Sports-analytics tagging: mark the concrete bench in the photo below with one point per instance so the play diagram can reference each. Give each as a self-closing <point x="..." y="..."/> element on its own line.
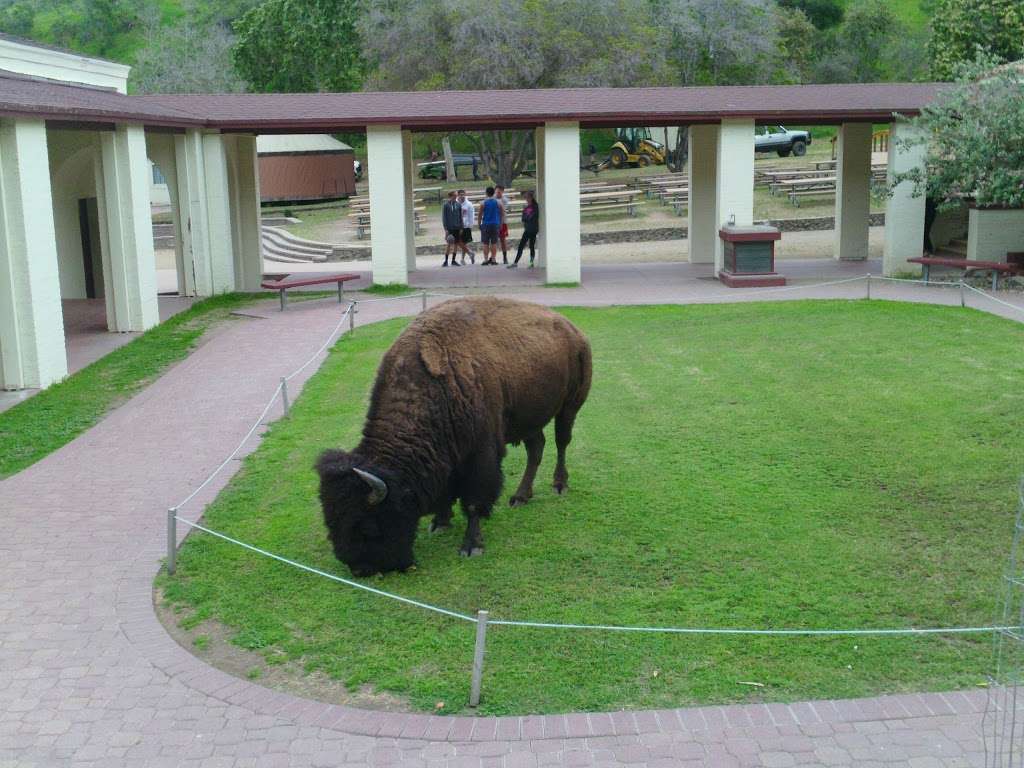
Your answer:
<point x="282" y="285"/>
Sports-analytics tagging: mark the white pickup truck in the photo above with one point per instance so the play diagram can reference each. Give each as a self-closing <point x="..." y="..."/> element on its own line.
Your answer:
<point x="775" y="138"/>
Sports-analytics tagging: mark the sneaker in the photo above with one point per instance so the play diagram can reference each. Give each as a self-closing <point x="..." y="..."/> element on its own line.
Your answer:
<point x="456" y="264"/>
<point x="445" y="264"/>
<point x="511" y="266"/>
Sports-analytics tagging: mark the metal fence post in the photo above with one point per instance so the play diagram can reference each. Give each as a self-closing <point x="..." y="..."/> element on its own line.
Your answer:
<point x="284" y="395"/>
<point x="424" y="296"/>
<point x="963" y="299"/>
<point x="478" y="658"/>
<point x="172" y="538"/>
<point x="869" y="285"/>
<point x="352" y="317"/>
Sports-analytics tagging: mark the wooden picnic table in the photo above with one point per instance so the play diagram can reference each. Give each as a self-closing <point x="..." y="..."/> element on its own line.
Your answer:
<point x="434" y="191"/>
<point x="601" y="187"/>
<point x="628" y="194"/>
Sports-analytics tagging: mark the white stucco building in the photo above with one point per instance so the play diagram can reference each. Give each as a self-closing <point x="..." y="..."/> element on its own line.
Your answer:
<point x="77" y="156"/>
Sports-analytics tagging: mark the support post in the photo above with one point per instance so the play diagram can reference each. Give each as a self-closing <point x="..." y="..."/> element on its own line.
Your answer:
<point x="284" y="395"/>
<point x="352" y="318"/>
<point x="963" y="299"/>
<point x="701" y="222"/>
<point x="735" y="180"/>
<point x="244" y="200"/>
<point x="561" y="201"/>
<point x="341" y="291"/>
<point x="904" y="213"/>
<point x="424" y="297"/>
<point x="122" y="186"/>
<point x="391" y="235"/>
<point x="32" y="351"/>
<point x="853" y="191"/>
<point x="283" y="297"/>
<point x="478" y="658"/>
<point x="869" y="285"/>
<point x="172" y="539"/>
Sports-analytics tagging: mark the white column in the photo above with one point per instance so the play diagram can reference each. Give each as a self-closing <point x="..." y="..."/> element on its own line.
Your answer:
<point x="542" y="236"/>
<point x="244" y="186"/>
<point x="391" y="234"/>
<point x="561" y="201"/>
<point x="853" y="191"/>
<point x="220" y="244"/>
<point x="735" y="173"/>
<point x="701" y="170"/>
<point x="410" y="214"/>
<point x="163" y="150"/>
<point x="32" y="352"/>
<point x="129" y="264"/>
<point x="904" y="213"/>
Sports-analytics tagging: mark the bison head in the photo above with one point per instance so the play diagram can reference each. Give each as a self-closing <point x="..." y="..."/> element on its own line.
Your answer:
<point x="369" y="523"/>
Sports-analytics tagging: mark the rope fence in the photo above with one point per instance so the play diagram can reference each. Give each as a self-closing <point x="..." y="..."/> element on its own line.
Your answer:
<point x="482" y="618"/>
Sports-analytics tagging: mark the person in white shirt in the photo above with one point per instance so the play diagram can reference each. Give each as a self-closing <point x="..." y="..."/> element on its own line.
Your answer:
<point x="468" y="219"/>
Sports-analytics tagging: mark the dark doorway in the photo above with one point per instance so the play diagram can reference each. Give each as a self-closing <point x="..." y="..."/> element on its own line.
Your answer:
<point x="89" y="228"/>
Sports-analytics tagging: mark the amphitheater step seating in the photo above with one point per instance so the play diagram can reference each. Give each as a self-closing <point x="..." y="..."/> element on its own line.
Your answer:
<point x="282" y="246"/>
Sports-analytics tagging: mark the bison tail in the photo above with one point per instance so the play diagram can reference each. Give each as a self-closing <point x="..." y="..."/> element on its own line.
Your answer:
<point x="584" y="375"/>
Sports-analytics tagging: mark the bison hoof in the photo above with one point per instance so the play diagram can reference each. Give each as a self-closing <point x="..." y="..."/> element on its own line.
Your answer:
<point x="436" y="527"/>
<point x="471" y="551"/>
<point x="518" y="500"/>
<point x="560" y="487"/>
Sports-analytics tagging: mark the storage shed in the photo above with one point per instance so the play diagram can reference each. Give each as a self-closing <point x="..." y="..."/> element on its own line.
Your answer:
<point x="303" y="167"/>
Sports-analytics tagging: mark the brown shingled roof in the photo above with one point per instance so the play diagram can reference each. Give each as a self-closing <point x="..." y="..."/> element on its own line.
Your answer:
<point x="312" y="112"/>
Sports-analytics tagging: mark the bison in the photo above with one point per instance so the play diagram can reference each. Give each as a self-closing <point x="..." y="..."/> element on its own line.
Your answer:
<point x="465" y="379"/>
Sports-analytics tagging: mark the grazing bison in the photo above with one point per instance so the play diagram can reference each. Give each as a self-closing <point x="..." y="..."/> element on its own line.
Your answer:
<point x="463" y="380"/>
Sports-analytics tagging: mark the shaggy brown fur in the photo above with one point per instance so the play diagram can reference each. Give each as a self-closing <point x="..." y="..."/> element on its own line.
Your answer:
<point x="464" y="380"/>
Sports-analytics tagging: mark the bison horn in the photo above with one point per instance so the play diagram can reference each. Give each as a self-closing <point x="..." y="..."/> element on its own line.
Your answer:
<point x="378" y="488"/>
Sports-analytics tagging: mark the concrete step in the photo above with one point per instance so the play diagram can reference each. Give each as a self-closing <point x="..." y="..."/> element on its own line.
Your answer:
<point x="952" y="251"/>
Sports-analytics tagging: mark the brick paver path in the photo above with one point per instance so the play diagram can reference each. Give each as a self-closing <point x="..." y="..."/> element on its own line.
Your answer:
<point x="89" y="677"/>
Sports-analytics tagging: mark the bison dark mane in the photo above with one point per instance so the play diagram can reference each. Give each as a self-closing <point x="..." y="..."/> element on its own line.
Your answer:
<point x="464" y="380"/>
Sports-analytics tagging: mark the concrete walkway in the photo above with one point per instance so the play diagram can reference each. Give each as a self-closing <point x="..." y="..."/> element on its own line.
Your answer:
<point x="88" y="676"/>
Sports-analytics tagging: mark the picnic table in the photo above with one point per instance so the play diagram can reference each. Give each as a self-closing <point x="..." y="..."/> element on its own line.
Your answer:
<point x="797" y="188"/>
<point x="606" y="201"/>
<point x="432" y="191"/>
<point x="362" y="218"/>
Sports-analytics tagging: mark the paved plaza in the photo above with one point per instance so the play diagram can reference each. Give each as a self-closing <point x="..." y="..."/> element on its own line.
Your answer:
<point x="89" y="677"/>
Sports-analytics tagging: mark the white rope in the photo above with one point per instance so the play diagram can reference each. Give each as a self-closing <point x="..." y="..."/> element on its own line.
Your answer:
<point x="606" y="627"/>
<point x="325" y="574"/>
<point x="937" y="283"/>
<point x="993" y="298"/>
<point x="416" y="295"/>
<point x="731" y="631"/>
<point x="323" y="346"/>
<point x="266" y="410"/>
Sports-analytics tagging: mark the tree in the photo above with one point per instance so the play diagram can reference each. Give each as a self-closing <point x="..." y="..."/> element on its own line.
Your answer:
<point x="870" y="46"/>
<point x="300" y="46"/>
<point x="974" y="135"/>
<point x="960" y="28"/>
<point x="823" y="14"/>
<point x="716" y="42"/>
<point x="186" y="59"/>
<point x="798" y="44"/>
<point x="465" y="44"/>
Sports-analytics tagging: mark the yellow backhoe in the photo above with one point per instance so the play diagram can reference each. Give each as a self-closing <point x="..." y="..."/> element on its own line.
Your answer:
<point x="634" y="147"/>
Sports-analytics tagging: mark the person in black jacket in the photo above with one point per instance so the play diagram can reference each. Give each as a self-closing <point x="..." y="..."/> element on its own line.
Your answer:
<point x="531" y="226"/>
<point x="451" y="220"/>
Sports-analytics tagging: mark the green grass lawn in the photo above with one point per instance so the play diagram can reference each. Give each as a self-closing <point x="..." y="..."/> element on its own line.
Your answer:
<point x="814" y="464"/>
<point x="46" y="421"/>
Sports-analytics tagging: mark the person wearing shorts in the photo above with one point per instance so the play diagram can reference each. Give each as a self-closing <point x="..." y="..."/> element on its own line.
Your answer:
<point x="490" y="224"/>
<point x="468" y="216"/>
<point x="501" y="197"/>
<point x="451" y="220"/>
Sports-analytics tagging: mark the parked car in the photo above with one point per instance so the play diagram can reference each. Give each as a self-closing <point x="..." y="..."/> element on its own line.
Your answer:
<point x="775" y="138"/>
<point x="434" y="169"/>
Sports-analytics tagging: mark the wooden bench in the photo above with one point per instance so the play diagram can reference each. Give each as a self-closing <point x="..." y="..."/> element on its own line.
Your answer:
<point x="282" y="286"/>
<point x="796" y="194"/>
<point x="967" y="265"/>
<point x="362" y="218"/>
<point x="630" y="207"/>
